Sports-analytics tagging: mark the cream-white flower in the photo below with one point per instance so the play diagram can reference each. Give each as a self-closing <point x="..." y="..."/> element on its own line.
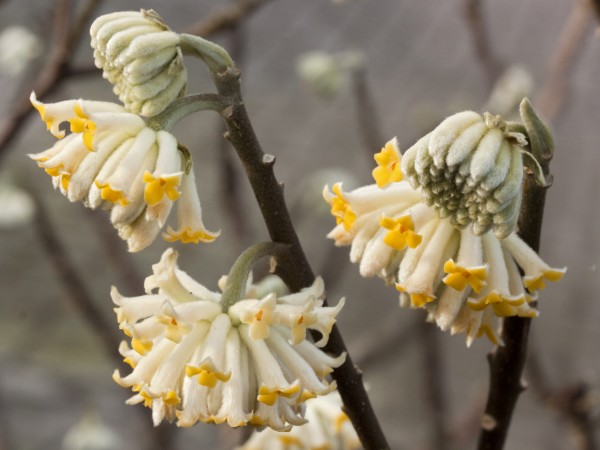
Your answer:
<point x="18" y="47"/>
<point x="112" y="160"/>
<point x="194" y="360"/>
<point x="17" y="206"/>
<point x="141" y="57"/>
<point x="464" y="280"/>
<point x="328" y="427"/>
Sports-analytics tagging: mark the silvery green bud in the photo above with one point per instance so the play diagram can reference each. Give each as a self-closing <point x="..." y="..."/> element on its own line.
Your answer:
<point x="141" y="57"/>
<point x="470" y="169"/>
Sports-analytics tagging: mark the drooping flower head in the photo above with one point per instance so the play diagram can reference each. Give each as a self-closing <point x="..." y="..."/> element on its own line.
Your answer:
<point x="328" y="427"/>
<point x="444" y="237"/>
<point x="195" y="358"/>
<point x="141" y="57"/>
<point x="113" y="160"/>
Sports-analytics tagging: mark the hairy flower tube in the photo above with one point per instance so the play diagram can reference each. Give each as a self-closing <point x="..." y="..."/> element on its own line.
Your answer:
<point x="141" y="57"/>
<point x="195" y="358"/>
<point x="328" y="427"/>
<point x="112" y="160"/>
<point x="464" y="280"/>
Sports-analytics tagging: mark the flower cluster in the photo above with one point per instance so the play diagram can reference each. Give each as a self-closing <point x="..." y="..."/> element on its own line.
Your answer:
<point x="141" y="57"/>
<point x="195" y="359"/>
<point x="113" y="160"/>
<point x="328" y="427"/>
<point x="462" y="279"/>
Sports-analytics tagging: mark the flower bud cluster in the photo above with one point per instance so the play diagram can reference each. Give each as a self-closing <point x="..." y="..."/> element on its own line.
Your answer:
<point x="141" y="57"/>
<point x="470" y="169"/>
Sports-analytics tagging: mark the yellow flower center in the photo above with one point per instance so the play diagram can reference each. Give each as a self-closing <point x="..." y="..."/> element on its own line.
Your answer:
<point x="388" y="168"/>
<point x="83" y="124"/>
<point x="207" y="375"/>
<point x="110" y="194"/>
<point x="401" y="232"/>
<point x="187" y="235"/>
<point x="340" y="208"/>
<point x="459" y="277"/>
<point x="268" y="396"/>
<point x="157" y="188"/>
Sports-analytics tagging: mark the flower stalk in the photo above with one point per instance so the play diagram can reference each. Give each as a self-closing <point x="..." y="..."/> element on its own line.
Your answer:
<point x="237" y="280"/>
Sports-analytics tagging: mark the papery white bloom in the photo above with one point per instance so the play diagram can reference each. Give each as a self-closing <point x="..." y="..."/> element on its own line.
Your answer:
<point x="112" y="160"/>
<point x="464" y="280"/>
<point x="328" y="427"/>
<point x="141" y="57"/>
<point x="18" y="47"/>
<point x="195" y="361"/>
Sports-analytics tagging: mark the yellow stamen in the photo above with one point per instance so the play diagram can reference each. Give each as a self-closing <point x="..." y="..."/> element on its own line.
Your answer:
<point x="340" y="208"/>
<point x="401" y="232"/>
<point x="458" y="276"/>
<point x="142" y="347"/>
<point x="389" y="169"/>
<point x="289" y="440"/>
<point x="129" y="361"/>
<point x="83" y="124"/>
<point x="157" y="188"/>
<point x="147" y="399"/>
<point x="339" y="422"/>
<point x="171" y="398"/>
<point x="537" y="283"/>
<point x="187" y="235"/>
<point x="489" y="333"/>
<point x="268" y="396"/>
<point x="419" y="300"/>
<point x="54" y="171"/>
<point x="207" y="375"/>
<point x="110" y="194"/>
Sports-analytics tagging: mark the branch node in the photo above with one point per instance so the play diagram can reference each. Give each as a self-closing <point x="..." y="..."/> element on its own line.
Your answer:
<point x="227" y="112"/>
<point x="268" y="159"/>
<point x="488" y="423"/>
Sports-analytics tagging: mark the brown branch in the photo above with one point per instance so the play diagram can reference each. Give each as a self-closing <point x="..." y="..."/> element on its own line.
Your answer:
<point x="226" y="17"/>
<point x="481" y="40"/>
<point x="554" y="91"/>
<point x="294" y="268"/>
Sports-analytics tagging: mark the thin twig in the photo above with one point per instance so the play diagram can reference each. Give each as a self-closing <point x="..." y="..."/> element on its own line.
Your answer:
<point x="481" y="40"/>
<point x="294" y="269"/>
<point x="554" y="91"/>
<point x="226" y="17"/>
<point x="368" y="118"/>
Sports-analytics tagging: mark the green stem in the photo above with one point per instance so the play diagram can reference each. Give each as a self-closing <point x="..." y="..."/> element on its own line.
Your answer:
<point x="185" y="106"/>
<point x="237" y="280"/>
<point x="215" y="56"/>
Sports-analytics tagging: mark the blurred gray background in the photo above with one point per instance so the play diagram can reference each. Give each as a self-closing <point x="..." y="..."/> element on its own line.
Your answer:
<point x="421" y="64"/>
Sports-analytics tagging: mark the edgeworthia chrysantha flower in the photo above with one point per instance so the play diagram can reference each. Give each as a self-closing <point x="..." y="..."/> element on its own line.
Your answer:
<point x="113" y="160"/>
<point x="405" y="236"/>
<point x="141" y="57"/>
<point x="196" y="358"/>
<point x="328" y="427"/>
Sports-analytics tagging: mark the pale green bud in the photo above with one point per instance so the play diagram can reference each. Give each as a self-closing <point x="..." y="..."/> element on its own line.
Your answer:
<point x="470" y="169"/>
<point x="141" y="57"/>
